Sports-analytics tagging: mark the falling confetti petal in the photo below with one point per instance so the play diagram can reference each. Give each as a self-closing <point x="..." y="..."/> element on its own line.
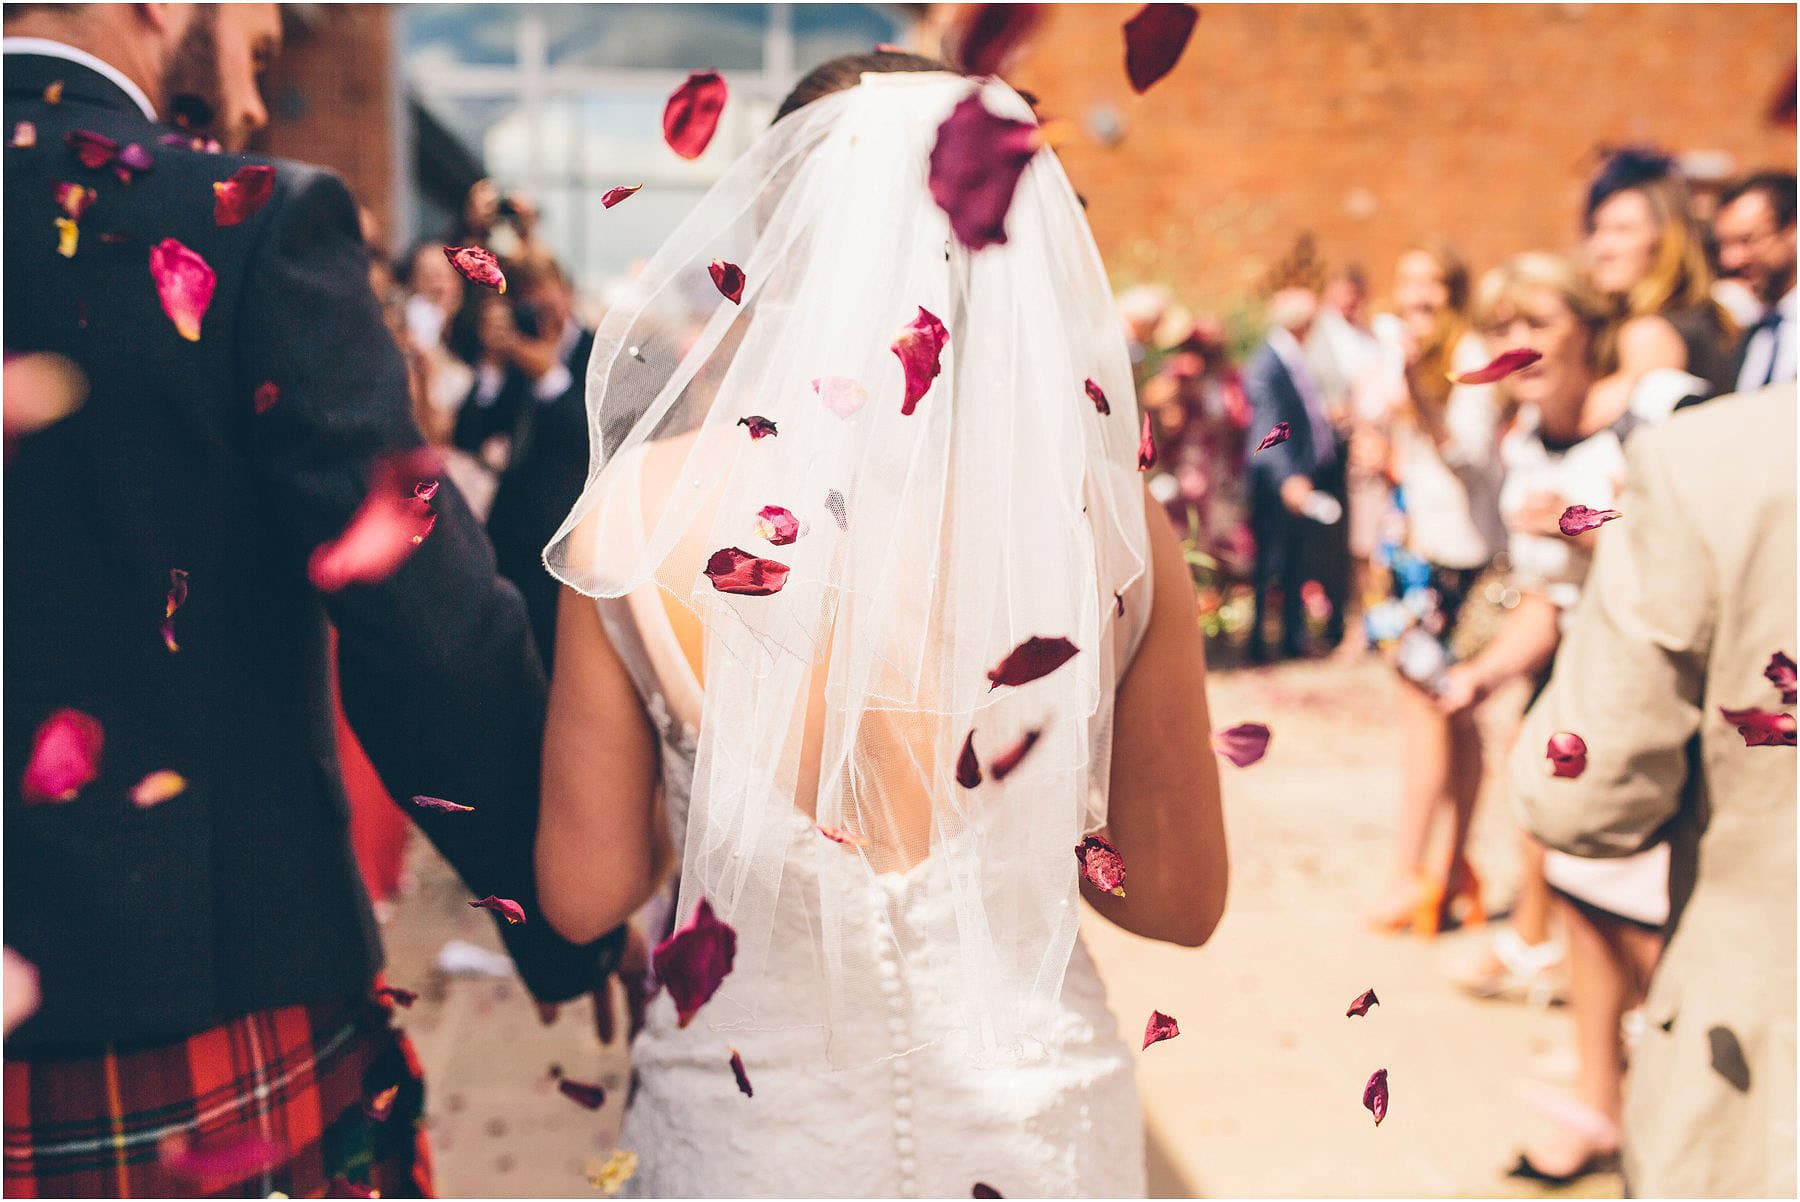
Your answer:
<point x="178" y="593"/>
<point x="74" y="199"/>
<point x="92" y="150"/>
<point x="477" y="265"/>
<point x="1761" y="728"/>
<point x="692" y="113"/>
<point x="508" y="909"/>
<point x="693" y="961"/>
<point x="1275" y="437"/>
<point x="1154" y="40"/>
<point x="735" y="571"/>
<point x="1375" y="1095"/>
<point x="1002" y="765"/>
<point x="184" y="284"/>
<point x="1146" y="448"/>
<point x="68" y="237"/>
<point x="968" y="768"/>
<point x="53" y="93"/>
<point x="1361" y="1005"/>
<point x="1097" y="396"/>
<point x="743" y="1078"/>
<point x="1501" y="366"/>
<point x="404" y="998"/>
<point x="381" y="1105"/>
<point x="438" y="803"/>
<point x="1781" y="674"/>
<point x="613" y="196"/>
<point x="1101" y="864"/>
<point x="838" y="834"/>
<point x="976" y="163"/>
<point x="729" y="279"/>
<point x="221" y="1164"/>
<point x="1159" y="1028"/>
<point x="994" y="32"/>
<point x="760" y="427"/>
<point x="1242" y="744"/>
<point x="777" y="525"/>
<point x="266" y="395"/>
<point x="1034" y="658"/>
<point x="592" y="1097"/>
<point x="610" y="1174"/>
<point x="1567" y="754"/>
<point x="157" y="787"/>
<point x="237" y="199"/>
<point x="1579" y="519"/>
<point x="24" y="135"/>
<point x="840" y="394"/>
<point x="920" y="347"/>
<point x="385" y="530"/>
<point x="65" y="757"/>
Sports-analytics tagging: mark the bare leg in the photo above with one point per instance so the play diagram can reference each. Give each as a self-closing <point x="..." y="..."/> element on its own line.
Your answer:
<point x="1425" y="774"/>
<point x="1464" y="781"/>
<point x="1531" y="912"/>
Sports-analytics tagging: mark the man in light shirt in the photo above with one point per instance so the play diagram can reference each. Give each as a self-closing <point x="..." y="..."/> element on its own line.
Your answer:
<point x="1755" y="226"/>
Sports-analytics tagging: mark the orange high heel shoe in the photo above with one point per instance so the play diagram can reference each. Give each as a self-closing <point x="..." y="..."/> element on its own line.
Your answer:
<point x="1398" y="918"/>
<point x="1438" y="901"/>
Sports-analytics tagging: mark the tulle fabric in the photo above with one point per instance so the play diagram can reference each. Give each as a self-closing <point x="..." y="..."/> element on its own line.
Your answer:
<point x="1007" y="505"/>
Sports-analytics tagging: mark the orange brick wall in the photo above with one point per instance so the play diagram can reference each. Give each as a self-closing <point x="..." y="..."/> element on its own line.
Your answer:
<point x="1371" y="125"/>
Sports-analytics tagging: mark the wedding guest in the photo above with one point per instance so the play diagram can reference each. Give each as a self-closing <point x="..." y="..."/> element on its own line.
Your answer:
<point x="1341" y="349"/>
<point x="1755" y="225"/>
<point x="1654" y="661"/>
<point x="510" y="373"/>
<point x="1143" y="309"/>
<point x="1200" y="412"/>
<point x="1445" y="460"/>
<point x="209" y="951"/>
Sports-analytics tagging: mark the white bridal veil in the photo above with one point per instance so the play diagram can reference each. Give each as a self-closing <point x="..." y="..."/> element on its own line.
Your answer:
<point x="922" y="548"/>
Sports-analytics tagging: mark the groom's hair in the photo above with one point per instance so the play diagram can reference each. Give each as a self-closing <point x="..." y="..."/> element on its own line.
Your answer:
<point x="845" y="71"/>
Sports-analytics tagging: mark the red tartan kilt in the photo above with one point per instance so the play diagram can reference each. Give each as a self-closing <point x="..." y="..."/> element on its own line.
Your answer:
<point x="297" y="1079"/>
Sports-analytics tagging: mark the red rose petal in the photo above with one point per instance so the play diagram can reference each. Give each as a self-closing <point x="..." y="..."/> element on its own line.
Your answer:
<point x="593" y="1097"/>
<point x="75" y="199"/>
<point x="184" y="285"/>
<point x="1146" y="448"/>
<point x="24" y="135"/>
<point x="1781" y="674"/>
<point x="178" y="592"/>
<point x="1154" y="40"/>
<point x="1567" y="754"/>
<point x="1277" y="435"/>
<point x="728" y="278"/>
<point x="994" y="33"/>
<point x="1242" y="744"/>
<point x="976" y="163"/>
<point x="508" y="909"/>
<point x="692" y="113"/>
<point x="217" y="1165"/>
<point x="779" y="526"/>
<point x="439" y="804"/>
<point x="92" y="150"/>
<point x="385" y="530"/>
<point x="65" y="757"/>
<point x="1579" y="519"/>
<point x="838" y="834"/>
<point x="477" y="265"/>
<point x="1097" y="396"/>
<point x="1361" y="1005"/>
<point x="920" y="347"/>
<point x="267" y="393"/>
<point x="403" y="998"/>
<point x="840" y="394"/>
<point x="1159" y="1028"/>
<point x="743" y="1078"/>
<point x="735" y="571"/>
<point x="1375" y="1095"/>
<point x="1034" y="658"/>
<point x="1501" y="366"/>
<point x="968" y="768"/>
<point x="238" y="198"/>
<point x="1118" y="604"/>
<point x="984" y="1190"/>
<point x="381" y="1105"/>
<point x="424" y="490"/>
<point x="693" y="961"/>
<point x="157" y="787"/>
<point x="1761" y="728"/>
<point x="1003" y="764"/>
<point x="760" y="427"/>
<point x="613" y="196"/>
<point x="1101" y="865"/>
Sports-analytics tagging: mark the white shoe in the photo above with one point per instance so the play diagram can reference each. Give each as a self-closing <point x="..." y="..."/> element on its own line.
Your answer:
<point x="1515" y="970"/>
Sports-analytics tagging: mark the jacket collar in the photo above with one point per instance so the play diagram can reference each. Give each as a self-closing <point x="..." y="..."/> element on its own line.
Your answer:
<point x="33" y="64"/>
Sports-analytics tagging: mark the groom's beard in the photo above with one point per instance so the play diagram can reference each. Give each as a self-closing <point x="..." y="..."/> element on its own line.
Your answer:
<point x="191" y="85"/>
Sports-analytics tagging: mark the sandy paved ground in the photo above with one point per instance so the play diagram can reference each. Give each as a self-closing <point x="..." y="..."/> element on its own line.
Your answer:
<point x="1260" y="1095"/>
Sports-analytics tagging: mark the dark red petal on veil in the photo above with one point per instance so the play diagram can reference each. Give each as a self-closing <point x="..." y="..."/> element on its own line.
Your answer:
<point x="1003" y="764"/>
<point x="613" y="196"/>
<point x="968" y="768"/>
<point x="1567" y="754"/>
<point x="593" y="1097"/>
<point x="1101" y="864"/>
<point x="438" y="803"/>
<point x="385" y="530"/>
<point x="184" y="285"/>
<point x="760" y="427"/>
<point x="1118" y="604"/>
<point x="693" y="961"/>
<point x="920" y="347"/>
<point x="508" y="909"/>
<point x="1781" y="674"/>
<point x="1501" y="366"/>
<point x="692" y="113"/>
<point x="1761" y="728"/>
<point x="237" y="199"/>
<point x="178" y="594"/>
<point x="477" y="265"/>
<point x="1159" y="1028"/>
<point x="1579" y="519"/>
<point x="65" y="757"/>
<point x="1361" y="1005"/>
<point x="1242" y="744"/>
<point x="1146" y="448"/>
<point x="1278" y="434"/>
<point x="993" y="33"/>
<point x="735" y="571"/>
<point x="729" y="279"/>
<point x="838" y="834"/>
<point x="1375" y="1095"/>
<point x="1154" y="40"/>
<point x="1097" y="396"/>
<point x="743" y="1078"/>
<point x="1035" y="657"/>
<point x="975" y="167"/>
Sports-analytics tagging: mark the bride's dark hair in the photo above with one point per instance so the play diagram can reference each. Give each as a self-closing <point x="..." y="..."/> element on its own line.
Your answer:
<point x="834" y="75"/>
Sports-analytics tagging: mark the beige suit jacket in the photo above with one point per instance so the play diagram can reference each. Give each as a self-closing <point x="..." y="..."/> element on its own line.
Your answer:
<point x="1691" y="592"/>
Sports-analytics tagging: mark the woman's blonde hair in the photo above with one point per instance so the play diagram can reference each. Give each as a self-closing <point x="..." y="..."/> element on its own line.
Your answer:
<point x="1505" y="286"/>
<point x="1428" y="379"/>
<point x="1679" y="275"/>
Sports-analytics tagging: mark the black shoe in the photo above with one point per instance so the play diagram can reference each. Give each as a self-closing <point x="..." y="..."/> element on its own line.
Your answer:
<point x="1524" y="1170"/>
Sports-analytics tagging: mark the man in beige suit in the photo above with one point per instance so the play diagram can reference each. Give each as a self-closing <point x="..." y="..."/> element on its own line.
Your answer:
<point x="1691" y="595"/>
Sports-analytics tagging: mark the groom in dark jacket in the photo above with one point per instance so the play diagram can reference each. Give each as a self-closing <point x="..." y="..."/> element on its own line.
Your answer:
<point x="206" y="958"/>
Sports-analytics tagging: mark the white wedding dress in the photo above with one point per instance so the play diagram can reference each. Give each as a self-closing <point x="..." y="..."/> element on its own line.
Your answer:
<point x="923" y="1123"/>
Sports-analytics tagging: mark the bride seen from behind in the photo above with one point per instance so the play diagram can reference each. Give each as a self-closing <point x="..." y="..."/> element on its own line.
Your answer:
<point x="871" y="624"/>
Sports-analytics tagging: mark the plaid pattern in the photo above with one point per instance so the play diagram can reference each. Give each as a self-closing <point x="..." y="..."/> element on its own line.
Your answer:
<point x="301" y="1077"/>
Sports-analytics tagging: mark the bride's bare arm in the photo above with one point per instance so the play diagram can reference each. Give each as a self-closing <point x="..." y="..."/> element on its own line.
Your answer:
<point x="599" y="849"/>
<point x="1163" y="812"/>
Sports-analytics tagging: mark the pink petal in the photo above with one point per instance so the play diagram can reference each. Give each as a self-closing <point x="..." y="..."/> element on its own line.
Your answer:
<point x="157" y="787"/>
<point x="743" y="1078"/>
<point x="267" y="393"/>
<point x="593" y="1097"/>
<point x="1375" y="1095"/>
<point x="477" y="265"/>
<point x="613" y="196"/>
<point x="508" y="909"/>
<point x="92" y="150"/>
<point x="1579" y="519"/>
<point x="1761" y="728"/>
<point x="385" y="530"/>
<point x="1154" y="40"/>
<point x="65" y="757"/>
<point x="403" y="998"/>
<point x="842" y="395"/>
<point x="838" y="834"/>
<point x="968" y="768"/>
<point x="442" y="806"/>
<point x="975" y="168"/>
<point x="219" y="1164"/>
<point x="424" y="490"/>
<point x="1035" y="657"/>
<point x="1361" y="1005"/>
<point x="1277" y="435"/>
<point x="237" y="199"/>
<point x="694" y="961"/>
<point x="735" y="571"/>
<point x="760" y="427"/>
<point x="692" y="113"/>
<point x="135" y="158"/>
<point x="834" y="502"/>
<point x="381" y="1105"/>
<point x="1003" y="764"/>
<point x="729" y="279"/>
<point x="920" y="347"/>
<point x="1146" y="448"/>
<point x="1781" y="674"/>
<point x="777" y="525"/>
<point x="1097" y="396"/>
<point x="1501" y="366"/>
<point x="24" y="135"/>
<point x="1159" y="1028"/>
<point x="1101" y="865"/>
<point x="994" y="33"/>
<point x="1242" y="744"/>
<point x="178" y="592"/>
<point x="184" y="284"/>
<point x="20" y="989"/>
<point x="1567" y="754"/>
<point x="75" y="199"/>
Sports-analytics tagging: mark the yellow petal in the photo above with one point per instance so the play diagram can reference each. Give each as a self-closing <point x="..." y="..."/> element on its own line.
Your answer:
<point x="614" y="1172"/>
<point x="157" y="788"/>
<point x="69" y="233"/>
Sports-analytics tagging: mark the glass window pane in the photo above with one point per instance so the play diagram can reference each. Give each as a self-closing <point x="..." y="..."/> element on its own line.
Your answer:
<point x="445" y="35"/>
<point x="824" y="31"/>
<point x="470" y="118"/>
<point x="690" y="37"/>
